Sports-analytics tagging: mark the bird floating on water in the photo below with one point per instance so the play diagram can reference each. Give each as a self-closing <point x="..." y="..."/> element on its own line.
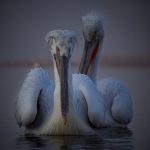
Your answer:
<point x="118" y="102"/>
<point x="69" y="105"/>
<point x="72" y="104"/>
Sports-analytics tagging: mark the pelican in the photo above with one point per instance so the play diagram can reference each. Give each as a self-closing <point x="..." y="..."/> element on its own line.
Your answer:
<point x="118" y="100"/>
<point x="71" y="105"/>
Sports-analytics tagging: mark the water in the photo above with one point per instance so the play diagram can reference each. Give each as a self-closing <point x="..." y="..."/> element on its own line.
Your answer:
<point x="137" y="136"/>
<point x="107" y="139"/>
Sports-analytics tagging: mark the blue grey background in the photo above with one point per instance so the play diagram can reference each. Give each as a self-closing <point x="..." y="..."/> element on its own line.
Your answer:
<point x="24" y="24"/>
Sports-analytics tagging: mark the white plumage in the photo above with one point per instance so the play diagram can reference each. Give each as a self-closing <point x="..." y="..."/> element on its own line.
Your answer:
<point x="72" y="104"/>
<point x="35" y="100"/>
<point x="39" y="107"/>
<point x="118" y="102"/>
<point x="57" y="38"/>
<point x="92" y="23"/>
<point x="81" y="114"/>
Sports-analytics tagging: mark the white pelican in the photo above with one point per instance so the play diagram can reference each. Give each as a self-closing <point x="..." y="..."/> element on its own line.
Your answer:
<point x="73" y="107"/>
<point x="117" y="97"/>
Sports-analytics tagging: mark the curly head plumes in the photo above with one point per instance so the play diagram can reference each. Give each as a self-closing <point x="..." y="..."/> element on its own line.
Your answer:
<point x="65" y="40"/>
<point x="92" y="26"/>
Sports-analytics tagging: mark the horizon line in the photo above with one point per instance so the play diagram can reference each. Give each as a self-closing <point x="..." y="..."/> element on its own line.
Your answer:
<point x="107" y="60"/>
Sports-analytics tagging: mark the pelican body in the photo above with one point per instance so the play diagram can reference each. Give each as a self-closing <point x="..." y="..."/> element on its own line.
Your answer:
<point x="118" y="102"/>
<point x="69" y="105"/>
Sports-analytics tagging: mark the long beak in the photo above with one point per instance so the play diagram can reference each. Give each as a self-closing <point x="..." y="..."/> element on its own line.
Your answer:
<point x="62" y="67"/>
<point x="89" y="54"/>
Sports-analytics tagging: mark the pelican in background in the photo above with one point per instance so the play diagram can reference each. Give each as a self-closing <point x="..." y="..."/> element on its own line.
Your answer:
<point x="71" y="105"/>
<point x="118" y="101"/>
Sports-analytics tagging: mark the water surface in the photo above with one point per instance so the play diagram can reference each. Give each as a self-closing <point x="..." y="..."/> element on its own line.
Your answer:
<point x="107" y="139"/>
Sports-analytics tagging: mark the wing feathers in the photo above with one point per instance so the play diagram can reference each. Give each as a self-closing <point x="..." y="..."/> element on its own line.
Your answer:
<point x="26" y="105"/>
<point x="94" y="99"/>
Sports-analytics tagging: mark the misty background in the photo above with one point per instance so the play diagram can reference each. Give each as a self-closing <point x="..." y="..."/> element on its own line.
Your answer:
<point x="23" y="26"/>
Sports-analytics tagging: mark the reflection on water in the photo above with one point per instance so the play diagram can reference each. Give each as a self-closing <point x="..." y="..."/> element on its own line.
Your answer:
<point x="117" y="139"/>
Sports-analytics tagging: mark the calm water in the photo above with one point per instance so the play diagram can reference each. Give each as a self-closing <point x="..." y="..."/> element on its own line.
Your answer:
<point x="137" y="136"/>
<point x="108" y="139"/>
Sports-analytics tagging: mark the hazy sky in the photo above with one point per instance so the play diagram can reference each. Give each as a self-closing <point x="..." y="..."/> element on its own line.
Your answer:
<point x="24" y="24"/>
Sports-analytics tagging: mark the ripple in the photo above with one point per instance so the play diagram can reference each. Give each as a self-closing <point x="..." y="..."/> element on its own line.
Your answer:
<point x="108" y="138"/>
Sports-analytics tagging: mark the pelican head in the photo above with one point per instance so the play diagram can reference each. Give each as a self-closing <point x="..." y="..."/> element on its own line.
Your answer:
<point x="61" y="44"/>
<point x="93" y="35"/>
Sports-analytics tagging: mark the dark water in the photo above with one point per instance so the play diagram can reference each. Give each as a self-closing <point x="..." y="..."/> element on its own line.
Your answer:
<point x="118" y="139"/>
<point x="136" y="137"/>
